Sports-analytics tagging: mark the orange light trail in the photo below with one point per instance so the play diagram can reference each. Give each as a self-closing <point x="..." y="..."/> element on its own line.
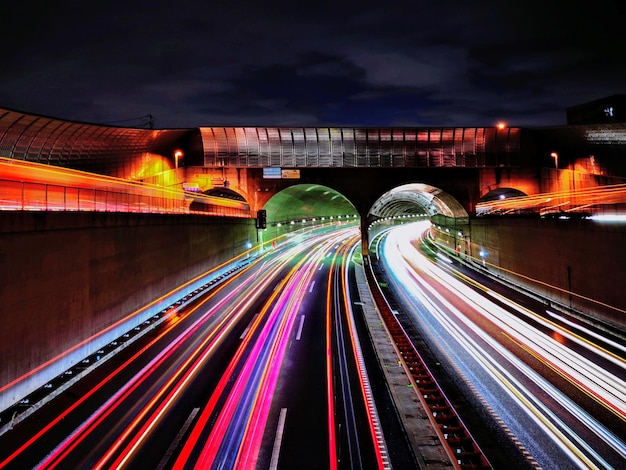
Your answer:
<point x="544" y="202"/>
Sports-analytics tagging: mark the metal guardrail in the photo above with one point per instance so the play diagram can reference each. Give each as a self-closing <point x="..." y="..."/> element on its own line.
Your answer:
<point x="20" y="195"/>
<point x="34" y="196"/>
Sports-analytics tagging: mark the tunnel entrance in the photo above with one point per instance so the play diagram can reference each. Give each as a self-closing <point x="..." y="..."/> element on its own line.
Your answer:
<point x="307" y="202"/>
<point x="305" y="205"/>
<point x="416" y="201"/>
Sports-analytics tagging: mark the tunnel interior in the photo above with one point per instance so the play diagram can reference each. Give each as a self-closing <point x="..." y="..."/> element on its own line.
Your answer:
<point x="308" y="202"/>
<point x="415" y="200"/>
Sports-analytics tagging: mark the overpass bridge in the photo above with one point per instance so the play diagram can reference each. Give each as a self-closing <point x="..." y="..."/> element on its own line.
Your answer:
<point x="458" y="167"/>
<point x="295" y="173"/>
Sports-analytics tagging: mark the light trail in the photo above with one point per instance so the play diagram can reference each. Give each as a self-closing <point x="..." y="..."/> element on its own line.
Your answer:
<point x="34" y="186"/>
<point x="375" y="429"/>
<point x="234" y="438"/>
<point x="116" y="434"/>
<point x="466" y="315"/>
<point x="572" y="200"/>
<point x="212" y="340"/>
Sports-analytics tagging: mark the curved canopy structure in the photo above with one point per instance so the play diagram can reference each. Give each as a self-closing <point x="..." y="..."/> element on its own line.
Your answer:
<point x="502" y="193"/>
<point x="415" y="199"/>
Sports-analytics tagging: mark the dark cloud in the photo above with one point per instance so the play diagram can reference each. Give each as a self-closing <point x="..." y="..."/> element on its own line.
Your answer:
<point x="412" y="63"/>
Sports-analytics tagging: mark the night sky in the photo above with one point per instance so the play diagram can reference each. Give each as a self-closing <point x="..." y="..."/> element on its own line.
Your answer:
<point x="300" y="63"/>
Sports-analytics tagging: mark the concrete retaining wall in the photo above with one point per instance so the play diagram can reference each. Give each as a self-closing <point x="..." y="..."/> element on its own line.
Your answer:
<point x="67" y="276"/>
<point x="576" y="263"/>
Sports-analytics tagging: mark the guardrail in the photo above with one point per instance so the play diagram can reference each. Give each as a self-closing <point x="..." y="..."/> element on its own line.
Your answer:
<point x="36" y="187"/>
<point x="20" y="195"/>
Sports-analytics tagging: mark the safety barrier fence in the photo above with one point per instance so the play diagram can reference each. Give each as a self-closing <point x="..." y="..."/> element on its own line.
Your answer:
<point x="34" y="196"/>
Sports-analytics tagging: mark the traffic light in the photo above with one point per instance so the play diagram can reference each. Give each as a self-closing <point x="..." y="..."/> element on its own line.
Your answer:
<point x="261" y="219"/>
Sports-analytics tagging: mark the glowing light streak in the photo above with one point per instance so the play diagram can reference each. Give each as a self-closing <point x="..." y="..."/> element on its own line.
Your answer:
<point x="47" y="187"/>
<point x="88" y="426"/>
<point x="330" y="393"/>
<point x="238" y="428"/>
<point x="583" y="371"/>
<point x="609" y="194"/>
<point x="120" y="324"/>
<point x="372" y="414"/>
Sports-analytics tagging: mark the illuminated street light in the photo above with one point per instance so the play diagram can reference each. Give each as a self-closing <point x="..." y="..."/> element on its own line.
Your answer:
<point x="177" y="155"/>
<point x="501" y="125"/>
<point x="556" y="159"/>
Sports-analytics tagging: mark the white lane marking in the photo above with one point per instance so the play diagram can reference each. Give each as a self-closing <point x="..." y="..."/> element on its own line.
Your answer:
<point x="311" y="288"/>
<point x="245" y="332"/>
<point x="300" y="328"/>
<point x="178" y="438"/>
<point x="278" y="439"/>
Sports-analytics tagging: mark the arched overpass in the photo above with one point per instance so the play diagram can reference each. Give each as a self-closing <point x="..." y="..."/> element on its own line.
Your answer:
<point x="475" y="160"/>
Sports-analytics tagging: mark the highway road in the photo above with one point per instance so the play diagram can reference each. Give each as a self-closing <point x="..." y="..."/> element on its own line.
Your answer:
<point x="262" y="370"/>
<point x="554" y="385"/>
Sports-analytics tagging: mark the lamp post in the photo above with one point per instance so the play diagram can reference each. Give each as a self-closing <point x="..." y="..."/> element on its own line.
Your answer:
<point x="177" y="155"/>
<point x="556" y="159"/>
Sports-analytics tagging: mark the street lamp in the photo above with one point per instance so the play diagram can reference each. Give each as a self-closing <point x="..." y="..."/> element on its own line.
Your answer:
<point x="177" y="155"/>
<point x="556" y="159"/>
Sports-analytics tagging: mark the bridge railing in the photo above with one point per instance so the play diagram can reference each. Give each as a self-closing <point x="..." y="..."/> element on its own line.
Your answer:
<point x="37" y="187"/>
<point x="22" y="195"/>
<point x="32" y="196"/>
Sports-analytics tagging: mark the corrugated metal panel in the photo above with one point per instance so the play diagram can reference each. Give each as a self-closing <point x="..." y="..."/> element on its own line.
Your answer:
<point x="480" y="146"/>
<point x="273" y="138"/>
<point x="242" y="146"/>
<point x="349" y="147"/>
<point x="232" y="149"/>
<point x="410" y="147"/>
<point x="324" y="148"/>
<point x="299" y="147"/>
<point x="385" y="147"/>
<point x="288" y="157"/>
<point x="361" y="147"/>
<point x="252" y="140"/>
<point x="311" y="147"/>
<point x="422" y="146"/>
<point x="490" y="147"/>
<point x="469" y="147"/>
<point x="398" y="148"/>
<point x="264" y="148"/>
<point x="373" y="147"/>
<point x="448" y="157"/>
<point x="336" y="147"/>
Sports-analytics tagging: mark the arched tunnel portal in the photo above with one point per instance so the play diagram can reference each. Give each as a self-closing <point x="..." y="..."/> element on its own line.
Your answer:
<point x="305" y="204"/>
<point x="445" y="195"/>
